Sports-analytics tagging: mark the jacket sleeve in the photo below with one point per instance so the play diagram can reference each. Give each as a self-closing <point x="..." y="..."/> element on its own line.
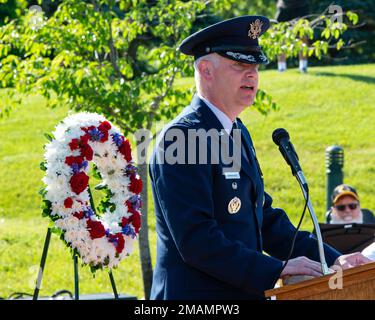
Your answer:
<point x="185" y="194"/>
<point x="278" y="234"/>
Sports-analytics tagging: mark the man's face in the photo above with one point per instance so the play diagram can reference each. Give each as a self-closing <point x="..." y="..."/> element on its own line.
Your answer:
<point x="234" y="85"/>
<point x="346" y="210"/>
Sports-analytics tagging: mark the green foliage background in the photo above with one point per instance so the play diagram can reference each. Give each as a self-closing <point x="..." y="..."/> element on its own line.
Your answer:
<point x="364" y="32"/>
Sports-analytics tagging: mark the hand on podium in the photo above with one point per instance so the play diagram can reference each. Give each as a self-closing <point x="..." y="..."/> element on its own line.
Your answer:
<point x="302" y="266"/>
<point x="351" y="260"/>
<point x="300" y="269"/>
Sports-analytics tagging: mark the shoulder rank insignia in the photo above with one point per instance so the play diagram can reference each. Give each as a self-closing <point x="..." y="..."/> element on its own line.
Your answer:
<point x="255" y="29"/>
<point x="234" y="205"/>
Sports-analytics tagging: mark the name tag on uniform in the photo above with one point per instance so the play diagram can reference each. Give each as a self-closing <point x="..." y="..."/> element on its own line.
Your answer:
<point x="232" y="175"/>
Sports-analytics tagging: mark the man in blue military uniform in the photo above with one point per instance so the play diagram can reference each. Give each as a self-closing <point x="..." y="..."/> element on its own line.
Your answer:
<point x="214" y="221"/>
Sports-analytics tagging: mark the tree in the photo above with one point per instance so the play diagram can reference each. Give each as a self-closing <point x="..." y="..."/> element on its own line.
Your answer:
<point x="363" y="32"/>
<point x="88" y="57"/>
<point x="323" y="31"/>
<point x="11" y="9"/>
<point x="231" y="9"/>
<point x="117" y="58"/>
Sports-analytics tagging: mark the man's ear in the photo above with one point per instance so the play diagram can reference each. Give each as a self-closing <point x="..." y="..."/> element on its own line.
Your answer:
<point x="204" y="68"/>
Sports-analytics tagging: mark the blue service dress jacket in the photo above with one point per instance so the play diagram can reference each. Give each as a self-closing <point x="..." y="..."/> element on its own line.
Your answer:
<point x="203" y="250"/>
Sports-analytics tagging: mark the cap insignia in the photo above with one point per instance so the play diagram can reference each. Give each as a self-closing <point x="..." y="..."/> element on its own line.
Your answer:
<point x="263" y="57"/>
<point x="255" y="29"/>
<point x="238" y="56"/>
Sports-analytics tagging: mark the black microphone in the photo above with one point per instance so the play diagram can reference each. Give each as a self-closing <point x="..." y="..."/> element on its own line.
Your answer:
<point x="282" y="139"/>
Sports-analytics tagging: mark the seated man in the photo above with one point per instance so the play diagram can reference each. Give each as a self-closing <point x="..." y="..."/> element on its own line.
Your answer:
<point x="346" y="207"/>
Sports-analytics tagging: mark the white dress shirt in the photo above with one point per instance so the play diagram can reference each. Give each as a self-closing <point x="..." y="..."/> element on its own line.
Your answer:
<point x="222" y="117"/>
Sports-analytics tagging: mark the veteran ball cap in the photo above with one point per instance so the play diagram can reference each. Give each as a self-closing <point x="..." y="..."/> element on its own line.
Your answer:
<point x="235" y="39"/>
<point x="344" y="190"/>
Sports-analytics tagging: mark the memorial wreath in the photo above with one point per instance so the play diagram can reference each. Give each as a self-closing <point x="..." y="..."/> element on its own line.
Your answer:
<point x="101" y="239"/>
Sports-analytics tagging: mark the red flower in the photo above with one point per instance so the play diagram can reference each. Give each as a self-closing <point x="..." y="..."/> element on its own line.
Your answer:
<point x="68" y="202"/>
<point x="120" y="241"/>
<point x="126" y="151"/>
<point x="86" y="151"/>
<point x="130" y="207"/>
<point x="85" y="138"/>
<point x="104" y="138"/>
<point x="79" y="215"/>
<point x="104" y="126"/>
<point x="124" y="222"/>
<point x="74" y="144"/>
<point x="135" y="218"/>
<point x="70" y="160"/>
<point x="135" y="185"/>
<point x="79" y="182"/>
<point x="95" y="228"/>
<point x="136" y="221"/>
<point x="86" y="129"/>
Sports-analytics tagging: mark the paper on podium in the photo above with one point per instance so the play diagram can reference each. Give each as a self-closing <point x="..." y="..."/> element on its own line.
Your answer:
<point x="348" y="238"/>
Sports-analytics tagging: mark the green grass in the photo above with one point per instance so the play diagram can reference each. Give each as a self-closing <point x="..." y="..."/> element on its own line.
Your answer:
<point x="329" y="105"/>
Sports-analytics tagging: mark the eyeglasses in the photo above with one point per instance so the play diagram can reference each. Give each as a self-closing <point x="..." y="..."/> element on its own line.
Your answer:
<point x="352" y="206"/>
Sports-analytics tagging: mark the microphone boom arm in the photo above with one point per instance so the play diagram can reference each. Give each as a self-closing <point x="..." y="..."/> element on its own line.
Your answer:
<point x="303" y="184"/>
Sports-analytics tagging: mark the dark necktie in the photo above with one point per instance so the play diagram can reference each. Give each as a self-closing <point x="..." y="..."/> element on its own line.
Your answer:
<point x="234" y="126"/>
<point x="243" y="149"/>
<point x="247" y="150"/>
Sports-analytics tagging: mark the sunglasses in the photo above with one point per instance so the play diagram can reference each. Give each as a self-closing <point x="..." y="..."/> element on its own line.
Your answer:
<point x="352" y="206"/>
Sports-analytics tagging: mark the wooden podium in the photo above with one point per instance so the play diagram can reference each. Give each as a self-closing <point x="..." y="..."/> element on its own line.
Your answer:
<point x="357" y="284"/>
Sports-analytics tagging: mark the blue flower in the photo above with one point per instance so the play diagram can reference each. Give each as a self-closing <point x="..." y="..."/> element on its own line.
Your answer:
<point x="130" y="170"/>
<point x="88" y="213"/>
<point x="136" y="202"/>
<point x="76" y="167"/>
<point x="95" y="134"/>
<point x="84" y="164"/>
<point x="117" y="139"/>
<point x="113" y="240"/>
<point x="127" y="230"/>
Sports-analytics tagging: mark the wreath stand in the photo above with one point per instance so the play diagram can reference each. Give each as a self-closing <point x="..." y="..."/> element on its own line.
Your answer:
<point x="75" y="262"/>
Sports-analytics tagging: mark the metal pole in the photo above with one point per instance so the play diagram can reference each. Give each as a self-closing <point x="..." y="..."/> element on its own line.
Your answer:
<point x="113" y="284"/>
<point x="303" y="184"/>
<point x="42" y="264"/>
<point x="76" y="284"/>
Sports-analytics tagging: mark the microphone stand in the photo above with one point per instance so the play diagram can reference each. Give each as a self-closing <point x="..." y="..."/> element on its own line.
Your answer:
<point x="304" y="187"/>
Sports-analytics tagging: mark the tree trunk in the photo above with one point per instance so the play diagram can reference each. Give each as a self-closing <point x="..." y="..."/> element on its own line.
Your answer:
<point x="144" y="248"/>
